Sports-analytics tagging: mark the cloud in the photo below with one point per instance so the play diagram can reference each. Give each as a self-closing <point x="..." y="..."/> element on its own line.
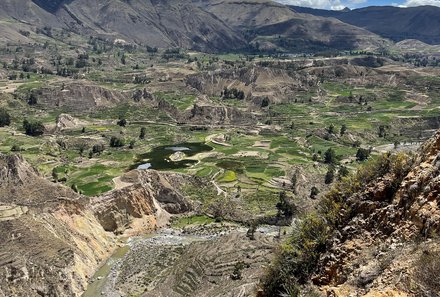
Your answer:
<point x="411" y="3"/>
<point x="324" y="4"/>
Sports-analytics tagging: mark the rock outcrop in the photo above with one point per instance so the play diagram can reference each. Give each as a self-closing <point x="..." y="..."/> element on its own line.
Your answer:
<point x="80" y="96"/>
<point x="66" y="121"/>
<point x="393" y="222"/>
<point x="53" y="239"/>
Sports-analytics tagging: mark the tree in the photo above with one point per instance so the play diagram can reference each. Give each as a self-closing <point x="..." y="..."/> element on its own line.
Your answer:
<point x="81" y="149"/>
<point x="330" y="175"/>
<point x="294" y="181"/>
<point x="33" y="128"/>
<point x="97" y="149"/>
<point x="55" y="175"/>
<point x="343" y="129"/>
<point x="382" y="131"/>
<point x="143" y="132"/>
<point x="5" y="118"/>
<point x="330" y="156"/>
<point x="132" y="143"/>
<point x="32" y="100"/>
<point x="343" y="171"/>
<point x="116" y="142"/>
<point x="122" y="122"/>
<point x="331" y="129"/>
<point x="265" y="102"/>
<point x="74" y="187"/>
<point x="362" y="154"/>
<point x="251" y="231"/>
<point x="314" y="192"/>
<point x="284" y="206"/>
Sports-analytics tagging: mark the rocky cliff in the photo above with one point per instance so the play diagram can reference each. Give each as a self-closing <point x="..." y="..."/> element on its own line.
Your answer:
<point x="375" y="233"/>
<point x="53" y="239"/>
<point x="394" y="220"/>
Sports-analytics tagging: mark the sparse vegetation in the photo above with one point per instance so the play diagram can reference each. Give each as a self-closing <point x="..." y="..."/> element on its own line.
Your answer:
<point x="298" y="256"/>
<point x="426" y="272"/>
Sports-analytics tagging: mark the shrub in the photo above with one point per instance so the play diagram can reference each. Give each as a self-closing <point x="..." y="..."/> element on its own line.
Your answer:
<point x="16" y="148"/>
<point x="238" y="267"/>
<point x="33" y="128"/>
<point x="329" y="176"/>
<point x="314" y="192"/>
<point x="122" y="122"/>
<point x="362" y="154"/>
<point x="142" y="133"/>
<point x="330" y="156"/>
<point x="98" y="149"/>
<point x="343" y="129"/>
<point x="116" y="142"/>
<point x="5" y="118"/>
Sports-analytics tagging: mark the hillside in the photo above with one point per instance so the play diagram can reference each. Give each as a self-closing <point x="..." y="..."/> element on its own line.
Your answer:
<point x="269" y="25"/>
<point x="375" y="233"/>
<point x="212" y="26"/>
<point x="164" y="24"/>
<point x="421" y="23"/>
<point x="53" y="238"/>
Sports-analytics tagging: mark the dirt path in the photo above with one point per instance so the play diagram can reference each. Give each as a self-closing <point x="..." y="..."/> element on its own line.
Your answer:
<point x="119" y="184"/>
<point x="219" y="190"/>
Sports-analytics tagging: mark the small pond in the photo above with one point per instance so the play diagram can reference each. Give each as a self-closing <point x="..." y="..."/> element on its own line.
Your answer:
<point x="159" y="157"/>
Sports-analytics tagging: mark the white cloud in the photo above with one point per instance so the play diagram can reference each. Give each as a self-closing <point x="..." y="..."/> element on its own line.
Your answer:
<point x="411" y="3"/>
<point x="324" y="4"/>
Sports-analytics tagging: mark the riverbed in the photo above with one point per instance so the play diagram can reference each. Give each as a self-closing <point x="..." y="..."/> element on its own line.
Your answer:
<point x="202" y="255"/>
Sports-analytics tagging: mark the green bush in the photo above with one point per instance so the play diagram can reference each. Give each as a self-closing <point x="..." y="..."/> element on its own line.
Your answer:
<point x="5" y="118"/>
<point x="33" y="128"/>
<point x="116" y="142"/>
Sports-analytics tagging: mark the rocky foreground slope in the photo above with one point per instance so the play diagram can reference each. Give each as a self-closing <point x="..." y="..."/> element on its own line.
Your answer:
<point x="53" y="239"/>
<point x="375" y="234"/>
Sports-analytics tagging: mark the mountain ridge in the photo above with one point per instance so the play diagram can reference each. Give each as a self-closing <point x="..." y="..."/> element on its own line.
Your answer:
<point x="210" y="26"/>
<point x="421" y="22"/>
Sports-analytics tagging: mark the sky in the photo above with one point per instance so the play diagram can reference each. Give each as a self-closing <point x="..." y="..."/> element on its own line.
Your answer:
<point x="340" y="4"/>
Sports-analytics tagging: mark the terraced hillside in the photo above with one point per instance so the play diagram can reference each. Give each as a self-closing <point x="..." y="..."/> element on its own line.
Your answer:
<point x="206" y="260"/>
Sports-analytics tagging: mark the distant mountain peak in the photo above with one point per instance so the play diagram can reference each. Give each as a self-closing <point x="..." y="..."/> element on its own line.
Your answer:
<point x="346" y="9"/>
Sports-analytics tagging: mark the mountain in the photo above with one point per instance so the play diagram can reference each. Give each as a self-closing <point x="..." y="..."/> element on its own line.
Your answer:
<point x="421" y="23"/>
<point x="155" y="23"/>
<point x="271" y="25"/>
<point x="211" y="26"/>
